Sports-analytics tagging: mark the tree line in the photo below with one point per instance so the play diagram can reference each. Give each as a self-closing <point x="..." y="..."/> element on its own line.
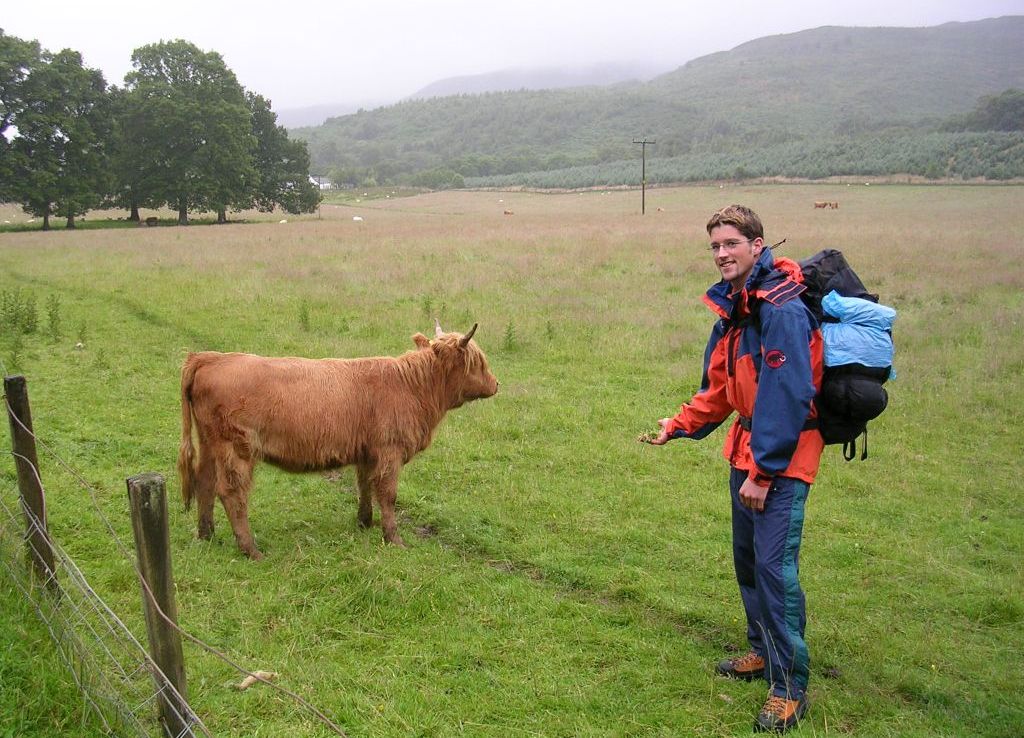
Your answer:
<point x="181" y="133"/>
<point x="995" y="156"/>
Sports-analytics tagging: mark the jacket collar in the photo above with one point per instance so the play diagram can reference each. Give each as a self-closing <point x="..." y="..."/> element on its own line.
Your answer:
<point x="722" y="300"/>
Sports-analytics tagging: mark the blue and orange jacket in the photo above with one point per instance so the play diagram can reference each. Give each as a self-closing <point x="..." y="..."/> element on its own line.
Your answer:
<point x="769" y="376"/>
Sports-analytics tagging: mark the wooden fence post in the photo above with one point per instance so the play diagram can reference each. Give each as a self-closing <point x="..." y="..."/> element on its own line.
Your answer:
<point x="148" y="499"/>
<point x="33" y="501"/>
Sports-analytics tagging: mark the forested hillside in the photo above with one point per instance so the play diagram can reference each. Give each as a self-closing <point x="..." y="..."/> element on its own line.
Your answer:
<point x="827" y="91"/>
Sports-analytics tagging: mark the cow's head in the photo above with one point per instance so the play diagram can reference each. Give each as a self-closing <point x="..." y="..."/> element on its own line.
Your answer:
<point x="469" y="377"/>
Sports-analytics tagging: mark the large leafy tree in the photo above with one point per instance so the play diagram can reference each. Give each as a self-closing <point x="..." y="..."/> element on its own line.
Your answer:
<point x="282" y="165"/>
<point x="130" y="164"/>
<point x="188" y="133"/>
<point x="63" y="127"/>
<point x="85" y="178"/>
<point x="17" y="60"/>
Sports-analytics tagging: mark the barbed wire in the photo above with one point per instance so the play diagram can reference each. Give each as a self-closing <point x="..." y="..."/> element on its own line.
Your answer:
<point x="188" y="718"/>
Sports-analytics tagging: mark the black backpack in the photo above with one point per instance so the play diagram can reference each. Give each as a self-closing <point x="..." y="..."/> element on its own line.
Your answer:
<point x="851" y="394"/>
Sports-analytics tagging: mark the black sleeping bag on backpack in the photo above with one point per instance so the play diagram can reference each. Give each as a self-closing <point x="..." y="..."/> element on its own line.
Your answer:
<point x="851" y="395"/>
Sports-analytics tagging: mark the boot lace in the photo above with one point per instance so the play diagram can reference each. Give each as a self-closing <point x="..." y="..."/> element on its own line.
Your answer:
<point x="751" y="659"/>
<point x="775" y="705"/>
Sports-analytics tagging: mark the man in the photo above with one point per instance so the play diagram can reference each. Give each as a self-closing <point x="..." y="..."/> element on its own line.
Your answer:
<point x="764" y="361"/>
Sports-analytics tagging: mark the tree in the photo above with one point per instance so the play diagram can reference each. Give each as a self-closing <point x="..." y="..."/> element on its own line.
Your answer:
<point x="17" y="60"/>
<point x="129" y="163"/>
<point x="63" y="128"/>
<point x="438" y="179"/>
<point x="86" y="175"/>
<point x="282" y="165"/>
<point x="1003" y="112"/>
<point x="189" y="129"/>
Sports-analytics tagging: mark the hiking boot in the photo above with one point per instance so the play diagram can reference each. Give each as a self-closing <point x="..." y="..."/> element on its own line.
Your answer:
<point x="779" y="714"/>
<point x="749" y="667"/>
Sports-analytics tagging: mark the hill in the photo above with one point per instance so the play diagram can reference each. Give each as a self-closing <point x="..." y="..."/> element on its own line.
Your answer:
<point x="543" y="78"/>
<point x="848" y="79"/>
<point x="546" y="78"/>
<point x="807" y="89"/>
<point x="314" y="115"/>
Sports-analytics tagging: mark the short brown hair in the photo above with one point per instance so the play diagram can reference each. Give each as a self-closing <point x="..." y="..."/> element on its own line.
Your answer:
<point x="743" y="218"/>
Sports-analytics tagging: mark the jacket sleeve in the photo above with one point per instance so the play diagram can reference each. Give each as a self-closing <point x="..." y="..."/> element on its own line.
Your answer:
<point x="709" y="407"/>
<point x="785" y="388"/>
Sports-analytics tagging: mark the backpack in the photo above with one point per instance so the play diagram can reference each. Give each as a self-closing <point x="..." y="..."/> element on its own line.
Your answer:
<point x="858" y="339"/>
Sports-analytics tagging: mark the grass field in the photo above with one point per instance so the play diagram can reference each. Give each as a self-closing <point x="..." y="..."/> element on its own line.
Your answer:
<point x="562" y="580"/>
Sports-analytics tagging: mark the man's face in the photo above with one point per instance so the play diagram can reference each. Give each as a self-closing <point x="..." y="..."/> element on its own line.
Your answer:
<point x="734" y="254"/>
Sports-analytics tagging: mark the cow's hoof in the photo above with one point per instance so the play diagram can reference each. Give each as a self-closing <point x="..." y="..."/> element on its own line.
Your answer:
<point x="254" y="555"/>
<point x="364" y="523"/>
<point x="396" y="541"/>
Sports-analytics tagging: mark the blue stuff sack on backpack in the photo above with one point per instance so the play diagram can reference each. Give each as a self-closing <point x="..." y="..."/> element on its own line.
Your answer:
<point x="863" y="334"/>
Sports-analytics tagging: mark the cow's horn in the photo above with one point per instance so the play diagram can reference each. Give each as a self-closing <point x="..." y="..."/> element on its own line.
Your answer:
<point x="465" y="338"/>
<point x="437" y="328"/>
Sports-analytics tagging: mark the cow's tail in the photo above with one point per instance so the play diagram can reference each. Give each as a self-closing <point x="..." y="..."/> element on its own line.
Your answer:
<point x="186" y="453"/>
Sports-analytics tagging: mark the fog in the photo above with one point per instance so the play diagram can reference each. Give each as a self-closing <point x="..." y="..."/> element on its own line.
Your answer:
<point x="368" y="54"/>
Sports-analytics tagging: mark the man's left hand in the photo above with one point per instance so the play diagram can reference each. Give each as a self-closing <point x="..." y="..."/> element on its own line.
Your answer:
<point x="752" y="495"/>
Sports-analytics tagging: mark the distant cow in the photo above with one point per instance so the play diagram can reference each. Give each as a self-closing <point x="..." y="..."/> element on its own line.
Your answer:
<point x="509" y="212"/>
<point x="834" y="205"/>
<point x="821" y="204"/>
<point x="317" y="414"/>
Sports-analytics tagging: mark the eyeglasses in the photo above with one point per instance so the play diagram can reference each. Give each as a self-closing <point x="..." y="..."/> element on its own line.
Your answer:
<point x="727" y="245"/>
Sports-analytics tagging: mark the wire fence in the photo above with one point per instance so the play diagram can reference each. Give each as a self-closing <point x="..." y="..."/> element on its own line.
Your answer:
<point x="116" y="675"/>
<point x="112" y="669"/>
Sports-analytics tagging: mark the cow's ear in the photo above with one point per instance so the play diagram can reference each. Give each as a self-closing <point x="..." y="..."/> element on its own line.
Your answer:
<point x="421" y="341"/>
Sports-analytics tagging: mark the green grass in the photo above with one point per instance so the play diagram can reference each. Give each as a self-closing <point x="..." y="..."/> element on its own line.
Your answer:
<point x="37" y="695"/>
<point x="563" y="579"/>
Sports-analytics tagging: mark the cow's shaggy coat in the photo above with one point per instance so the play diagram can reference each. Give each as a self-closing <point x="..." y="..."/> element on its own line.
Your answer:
<point x="317" y="414"/>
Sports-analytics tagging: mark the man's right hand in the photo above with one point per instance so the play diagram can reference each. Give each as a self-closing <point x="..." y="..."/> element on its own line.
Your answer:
<point x="659" y="440"/>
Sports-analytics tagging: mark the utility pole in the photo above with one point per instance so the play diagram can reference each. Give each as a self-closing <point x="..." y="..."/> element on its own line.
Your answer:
<point x="644" y="143"/>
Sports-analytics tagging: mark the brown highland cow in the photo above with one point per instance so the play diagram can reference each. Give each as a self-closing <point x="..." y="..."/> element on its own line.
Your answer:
<point x="318" y="414"/>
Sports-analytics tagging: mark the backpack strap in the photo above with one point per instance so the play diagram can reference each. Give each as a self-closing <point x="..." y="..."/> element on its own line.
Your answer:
<point x="850" y="448"/>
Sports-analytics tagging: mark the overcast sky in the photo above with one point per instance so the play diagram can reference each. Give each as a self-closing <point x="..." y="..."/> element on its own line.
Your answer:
<point x="336" y="51"/>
